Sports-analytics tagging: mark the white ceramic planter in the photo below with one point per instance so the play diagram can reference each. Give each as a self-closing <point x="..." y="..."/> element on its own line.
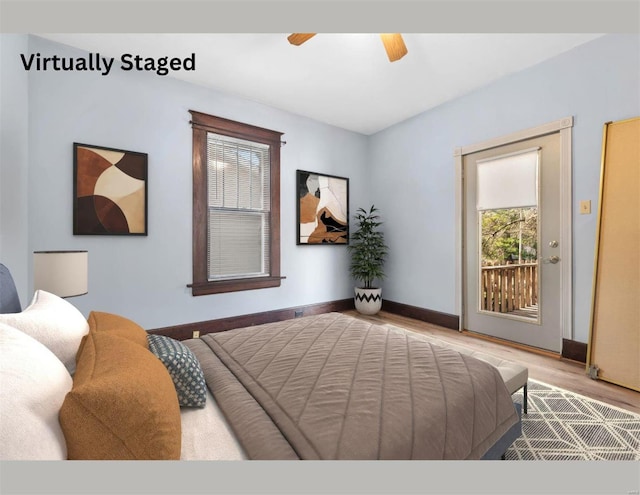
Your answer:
<point x="368" y="301"/>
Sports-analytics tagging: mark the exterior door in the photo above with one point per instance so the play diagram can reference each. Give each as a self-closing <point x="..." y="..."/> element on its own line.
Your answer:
<point x="512" y="261"/>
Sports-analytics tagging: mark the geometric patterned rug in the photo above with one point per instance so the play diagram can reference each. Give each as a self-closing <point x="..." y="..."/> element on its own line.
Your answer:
<point x="562" y="425"/>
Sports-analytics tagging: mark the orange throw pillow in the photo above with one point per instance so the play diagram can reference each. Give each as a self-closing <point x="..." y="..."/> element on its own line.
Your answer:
<point x="117" y="325"/>
<point x="123" y="404"/>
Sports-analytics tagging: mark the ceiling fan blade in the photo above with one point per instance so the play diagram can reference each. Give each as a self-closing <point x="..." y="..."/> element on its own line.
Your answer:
<point x="394" y="45"/>
<point x="299" y="38"/>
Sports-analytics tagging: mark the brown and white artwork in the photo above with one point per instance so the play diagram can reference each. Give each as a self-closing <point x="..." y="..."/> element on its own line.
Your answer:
<point x="109" y="191"/>
<point x="323" y="208"/>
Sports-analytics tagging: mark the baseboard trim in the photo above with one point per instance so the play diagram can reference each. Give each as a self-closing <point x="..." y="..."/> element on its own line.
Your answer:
<point x="185" y="331"/>
<point x="576" y="351"/>
<point x="437" y="318"/>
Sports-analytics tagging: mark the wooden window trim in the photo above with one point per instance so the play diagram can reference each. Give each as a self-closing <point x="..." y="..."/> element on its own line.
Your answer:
<point x="201" y="124"/>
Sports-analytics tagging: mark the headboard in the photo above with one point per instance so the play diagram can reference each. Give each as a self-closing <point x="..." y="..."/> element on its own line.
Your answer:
<point x="9" y="300"/>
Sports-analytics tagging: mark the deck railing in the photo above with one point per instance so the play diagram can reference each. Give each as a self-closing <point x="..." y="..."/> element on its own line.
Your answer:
<point x="507" y="288"/>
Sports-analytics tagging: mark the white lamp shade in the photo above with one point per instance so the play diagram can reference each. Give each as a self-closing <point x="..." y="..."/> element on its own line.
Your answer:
<point x="63" y="273"/>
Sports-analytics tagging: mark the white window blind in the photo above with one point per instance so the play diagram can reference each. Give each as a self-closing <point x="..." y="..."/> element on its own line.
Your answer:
<point x="239" y="207"/>
<point x="508" y="181"/>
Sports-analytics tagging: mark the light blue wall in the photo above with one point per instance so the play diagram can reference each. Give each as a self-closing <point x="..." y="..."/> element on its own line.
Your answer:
<point x="413" y="174"/>
<point x="406" y="170"/>
<point x="145" y="278"/>
<point x="14" y="156"/>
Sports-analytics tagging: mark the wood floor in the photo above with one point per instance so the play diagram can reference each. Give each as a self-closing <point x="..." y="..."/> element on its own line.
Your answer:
<point x="543" y="366"/>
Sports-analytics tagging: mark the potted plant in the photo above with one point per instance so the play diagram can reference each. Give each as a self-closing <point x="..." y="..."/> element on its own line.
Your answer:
<point x="368" y="255"/>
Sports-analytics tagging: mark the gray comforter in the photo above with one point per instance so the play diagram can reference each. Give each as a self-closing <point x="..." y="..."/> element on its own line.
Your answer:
<point x="336" y="387"/>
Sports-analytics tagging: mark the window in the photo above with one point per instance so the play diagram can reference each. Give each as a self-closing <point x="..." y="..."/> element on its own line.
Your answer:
<point x="236" y="206"/>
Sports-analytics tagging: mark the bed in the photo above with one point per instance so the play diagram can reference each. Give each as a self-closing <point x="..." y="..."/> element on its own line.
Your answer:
<point x="328" y="386"/>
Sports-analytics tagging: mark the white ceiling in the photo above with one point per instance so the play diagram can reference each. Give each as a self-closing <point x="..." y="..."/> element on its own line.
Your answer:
<point x="341" y="79"/>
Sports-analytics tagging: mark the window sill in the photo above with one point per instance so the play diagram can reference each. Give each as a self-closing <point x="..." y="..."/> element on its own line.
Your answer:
<point x="205" y="288"/>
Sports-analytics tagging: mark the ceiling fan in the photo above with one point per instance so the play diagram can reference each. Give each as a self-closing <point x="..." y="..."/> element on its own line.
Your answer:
<point x="393" y="43"/>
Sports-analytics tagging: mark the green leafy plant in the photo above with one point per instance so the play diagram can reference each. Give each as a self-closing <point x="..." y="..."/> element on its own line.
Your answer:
<point x="367" y="248"/>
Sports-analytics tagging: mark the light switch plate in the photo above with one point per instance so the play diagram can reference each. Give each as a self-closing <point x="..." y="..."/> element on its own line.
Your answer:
<point x="585" y="207"/>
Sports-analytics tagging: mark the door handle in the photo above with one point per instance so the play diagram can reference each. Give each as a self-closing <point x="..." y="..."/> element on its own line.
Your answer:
<point x="551" y="259"/>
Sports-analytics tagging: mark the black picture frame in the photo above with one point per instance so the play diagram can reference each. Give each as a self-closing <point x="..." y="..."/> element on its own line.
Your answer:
<point x="322" y="208"/>
<point x="110" y="191"/>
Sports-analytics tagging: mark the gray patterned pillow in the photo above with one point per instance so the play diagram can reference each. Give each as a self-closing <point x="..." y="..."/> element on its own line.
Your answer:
<point x="184" y="368"/>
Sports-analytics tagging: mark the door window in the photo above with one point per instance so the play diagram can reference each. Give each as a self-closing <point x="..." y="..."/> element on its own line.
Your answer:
<point x="507" y="206"/>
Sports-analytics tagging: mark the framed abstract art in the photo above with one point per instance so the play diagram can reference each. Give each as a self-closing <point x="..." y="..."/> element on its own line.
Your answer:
<point x="323" y="208"/>
<point x="109" y="191"/>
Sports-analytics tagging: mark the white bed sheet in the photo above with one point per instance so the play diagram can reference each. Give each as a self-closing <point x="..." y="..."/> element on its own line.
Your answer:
<point x="206" y="434"/>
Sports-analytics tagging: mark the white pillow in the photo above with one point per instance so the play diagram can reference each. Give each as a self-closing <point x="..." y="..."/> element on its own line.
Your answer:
<point x="54" y="322"/>
<point x="33" y="385"/>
